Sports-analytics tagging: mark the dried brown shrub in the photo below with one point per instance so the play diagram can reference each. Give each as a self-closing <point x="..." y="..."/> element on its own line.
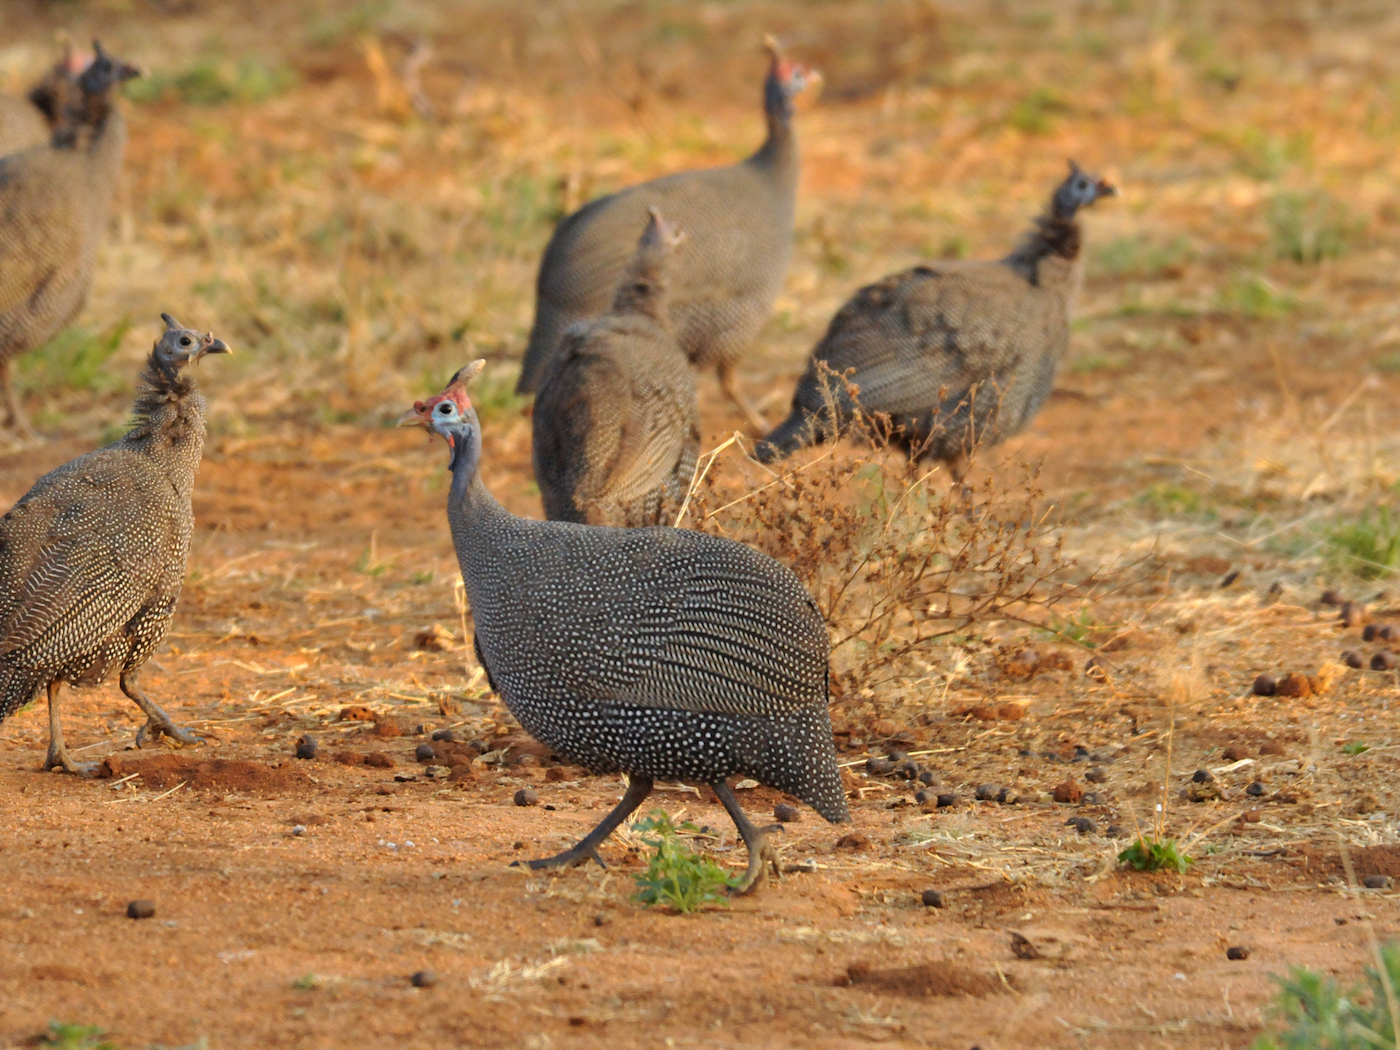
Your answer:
<point x="898" y="561"/>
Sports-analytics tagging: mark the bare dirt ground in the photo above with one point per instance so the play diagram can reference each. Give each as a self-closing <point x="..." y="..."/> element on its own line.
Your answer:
<point x="1227" y="408"/>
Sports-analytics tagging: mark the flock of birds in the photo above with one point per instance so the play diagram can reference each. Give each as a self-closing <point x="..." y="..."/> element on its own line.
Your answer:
<point x="622" y="644"/>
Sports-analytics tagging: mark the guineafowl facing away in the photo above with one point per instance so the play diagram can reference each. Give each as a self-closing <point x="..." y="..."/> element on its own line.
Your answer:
<point x="616" y="422"/>
<point x="739" y="223"/>
<point x="657" y="652"/>
<point x="93" y="557"/>
<point x="953" y="353"/>
<point x="54" y="201"/>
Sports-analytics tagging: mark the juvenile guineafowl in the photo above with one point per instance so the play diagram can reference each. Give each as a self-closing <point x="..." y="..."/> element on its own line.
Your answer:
<point x="616" y="423"/>
<point x="93" y="557"/>
<point x="954" y="353"/>
<point x="739" y="222"/>
<point x="657" y="652"/>
<point x="54" y="201"/>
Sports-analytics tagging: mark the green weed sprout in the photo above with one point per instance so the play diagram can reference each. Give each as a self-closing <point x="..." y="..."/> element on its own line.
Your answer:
<point x="676" y="876"/>
<point x="1150" y="853"/>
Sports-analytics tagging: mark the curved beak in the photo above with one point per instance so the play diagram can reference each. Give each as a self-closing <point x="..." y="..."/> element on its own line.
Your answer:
<point x="210" y="345"/>
<point x="412" y="418"/>
<point x="1106" y="189"/>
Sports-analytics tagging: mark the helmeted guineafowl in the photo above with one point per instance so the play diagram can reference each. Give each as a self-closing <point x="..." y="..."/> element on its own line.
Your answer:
<point x="953" y="353"/>
<point x="92" y="558"/>
<point x="658" y="652"/>
<point x="739" y="223"/>
<point x="53" y="211"/>
<point x="31" y="120"/>
<point x="616" y="423"/>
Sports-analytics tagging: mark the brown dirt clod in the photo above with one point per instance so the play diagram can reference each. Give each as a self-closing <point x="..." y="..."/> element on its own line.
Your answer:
<point x="1067" y="791"/>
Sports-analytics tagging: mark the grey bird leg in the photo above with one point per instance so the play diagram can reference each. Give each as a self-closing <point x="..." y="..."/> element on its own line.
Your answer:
<point x="157" y="721"/>
<point x="58" y="754"/>
<point x="725" y="371"/>
<point x="762" y="855"/>
<point x="637" y="791"/>
<point x="15" y="419"/>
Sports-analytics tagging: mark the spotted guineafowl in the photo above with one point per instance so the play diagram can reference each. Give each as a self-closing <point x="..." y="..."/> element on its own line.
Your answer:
<point x="739" y="222"/>
<point x="616" y="423"/>
<point x="658" y="652"/>
<point x="953" y="353"/>
<point x="54" y="201"/>
<point x="93" y="556"/>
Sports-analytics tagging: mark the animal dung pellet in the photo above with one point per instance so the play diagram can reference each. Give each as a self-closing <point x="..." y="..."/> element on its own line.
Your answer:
<point x="445" y="736"/>
<point x="306" y="747"/>
<point x="924" y="795"/>
<point x="555" y="774"/>
<point x="1083" y="825"/>
<point x="947" y="800"/>
<point x="424" y="753"/>
<point x="879" y="766"/>
<point x="387" y="729"/>
<point x="1255" y="790"/>
<point x="1202" y="776"/>
<point x="931" y="899"/>
<point x="987" y="792"/>
<point x="927" y="779"/>
<point x="1116" y="831"/>
<point x="1265" y="685"/>
<point x="350" y="758"/>
<point x="380" y="760"/>
<point x="1251" y="816"/>
<point x="1229" y="578"/>
<point x="1294" y="684"/>
<point x="356" y="713"/>
<point x="527" y="797"/>
<point x="1237" y="953"/>
<point x="1271" y="747"/>
<point x="1352" y="614"/>
<point x="1095" y="775"/>
<point x="1234" y="753"/>
<point x="785" y="813"/>
<point x="1353" y="659"/>
<point x="1378" y="882"/>
<point x="1387" y="632"/>
<point x="1331" y="597"/>
<point x="1384" y="660"/>
<point x="140" y="909"/>
<point x="423" y="979"/>
<point x="1092" y="798"/>
<point x="908" y="769"/>
<point x="1368" y="633"/>
<point x="1068" y="791"/>
<point x="853" y="840"/>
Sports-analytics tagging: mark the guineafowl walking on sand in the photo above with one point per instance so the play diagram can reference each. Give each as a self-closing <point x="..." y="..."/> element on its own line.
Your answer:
<point x="657" y="652"/>
<point x="616" y="423"/>
<point x="953" y="353"/>
<point x="739" y="223"/>
<point x="93" y="557"/>
<point x="53" y="210"/>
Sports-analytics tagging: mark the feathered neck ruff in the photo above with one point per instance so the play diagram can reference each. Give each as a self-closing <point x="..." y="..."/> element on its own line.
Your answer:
<point x="1054" y="234"/>
<point x="162" y="391"/>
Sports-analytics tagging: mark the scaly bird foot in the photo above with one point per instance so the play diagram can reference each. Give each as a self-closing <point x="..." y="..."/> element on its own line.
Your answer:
<point x="570" y="858"/>
<point x="761" y="861"/>
<point x="57" y="758"/>
<point x="156" y="729"/>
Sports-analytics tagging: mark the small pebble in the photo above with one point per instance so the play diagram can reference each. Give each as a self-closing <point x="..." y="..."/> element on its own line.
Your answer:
<point x="424" y="753"/>
<point x="1383" y="661"/>
<point x="1116" y="831"/>
<point x="140" y="909"/>
<point x="1202" y="776"/>
<point x="446" y="736"/>
<point x="1091" y="798"/>
<point x="1238" y="953"/>
<point x="423" y="979"/>
<point x="1353" y="659"/>
<point x="1265" y="685"/>
<point x="785" y="813"/>
<point x="1254" y="790"/>
<point x="946" y="800"/>
<point x="306" y="747"/>
<point x="987" y="792"/>
<point x="527" y="797"/>
<point x="879" y="766"/>
<point x="1368" y="633"/>
<point x="931" y="899"/>
<point x="299" y="830"/>
<point x="926" y="778"/>
<point x="1378" y="882"/>
<point x="1331" y="597"/>
<point x="1083" y="825"/>
<point x="1095" y="775"/>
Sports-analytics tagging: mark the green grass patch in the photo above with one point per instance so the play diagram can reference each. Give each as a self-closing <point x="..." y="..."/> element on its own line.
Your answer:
<point x="1255" y="297"/>
<point x="1309" y="227"/>
<point x="1035" y="114"/>
<point x="1080" y="628"/>
<point x="1368" y="548"/>
<point x="66" y="1036"/>
<point x="1312" y="1013"/>
<point x="1143" y="258"/>
<point x="676" y="876"/>
<point x="76" y="360"/>
<point x="211" y="82"/>
<point x="1166" y="499"/>
<point x="1356" y="747"/>
<point x="1155" y="854"/>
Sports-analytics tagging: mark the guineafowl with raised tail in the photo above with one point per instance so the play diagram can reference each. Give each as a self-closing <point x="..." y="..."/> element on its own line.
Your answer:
<point x="54" y="202"/>
<point x="954" y="353"/>
<point x="92" y="558"/>
<point x="616" y="422"/>
<point x="739" y="222"/>
<point x="658" y="652"/>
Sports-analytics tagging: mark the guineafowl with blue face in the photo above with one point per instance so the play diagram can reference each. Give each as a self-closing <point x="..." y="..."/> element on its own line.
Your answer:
<point x="953" y="353"/>
<point x="92" y="558"/>
<point x="657" y="652"/>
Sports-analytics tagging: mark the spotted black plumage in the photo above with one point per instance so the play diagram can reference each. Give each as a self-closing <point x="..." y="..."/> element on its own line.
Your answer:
<point x="740" y="222"/>
<point x="657" y="652"/>
<point x="92" y="558"/>
<point x="952" y="352"/>
<point x="54" y="201"/>
<point x="616" y="422"/>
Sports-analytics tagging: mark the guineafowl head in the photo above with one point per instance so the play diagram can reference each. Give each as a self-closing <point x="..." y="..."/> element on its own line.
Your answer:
<point x="104" y="72"/>
<point x="450" y="414"/>
<point x="179" y="346"/>
<point x="1079" y="190"/>
<point x="786" y="80"/>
